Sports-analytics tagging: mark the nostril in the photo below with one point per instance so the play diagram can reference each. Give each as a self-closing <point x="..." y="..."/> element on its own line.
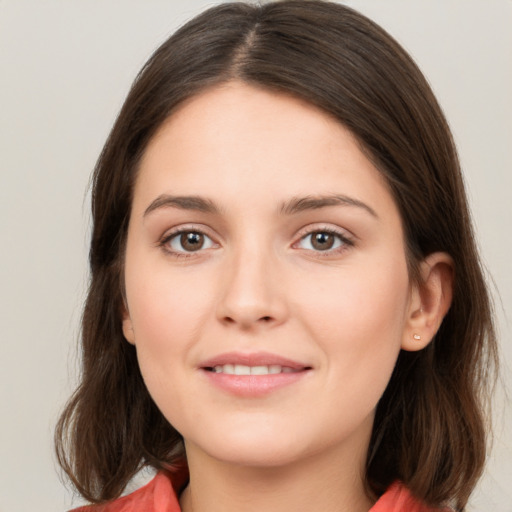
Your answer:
<point x="266" y="318"/>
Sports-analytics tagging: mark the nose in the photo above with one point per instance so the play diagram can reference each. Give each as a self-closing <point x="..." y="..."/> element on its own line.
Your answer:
<point x="252" y="296"/>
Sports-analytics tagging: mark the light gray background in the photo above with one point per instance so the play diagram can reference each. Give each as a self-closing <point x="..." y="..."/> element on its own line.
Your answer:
<point x="65" y="68"/>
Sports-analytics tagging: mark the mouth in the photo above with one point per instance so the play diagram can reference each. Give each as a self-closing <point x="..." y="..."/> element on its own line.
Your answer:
<point x="241" y="369"/>
<point x="256" y="363"/>
<point x="253" y="375"/>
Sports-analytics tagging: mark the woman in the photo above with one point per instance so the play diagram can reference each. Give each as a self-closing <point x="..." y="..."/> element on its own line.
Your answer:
<point x="287" y="309"/>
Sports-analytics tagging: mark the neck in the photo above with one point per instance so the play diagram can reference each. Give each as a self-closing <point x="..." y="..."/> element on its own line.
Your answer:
<point x="317" y="483"/>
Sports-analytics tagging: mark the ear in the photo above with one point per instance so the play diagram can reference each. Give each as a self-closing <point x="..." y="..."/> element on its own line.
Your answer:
<point x="128" y="326"/>
<point x="430" y="300"/>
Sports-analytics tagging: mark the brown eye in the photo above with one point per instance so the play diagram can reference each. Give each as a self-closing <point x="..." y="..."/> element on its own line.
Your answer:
<point x="191" y="241"/>
<point x="188" y="241"/>
<point x="322" y="241"/>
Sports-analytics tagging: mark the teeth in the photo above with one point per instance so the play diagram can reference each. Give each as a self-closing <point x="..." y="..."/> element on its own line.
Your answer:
<point x="240" y="369"/>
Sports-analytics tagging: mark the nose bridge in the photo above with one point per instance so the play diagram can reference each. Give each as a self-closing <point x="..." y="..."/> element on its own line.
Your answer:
<point x="251" y="291"/>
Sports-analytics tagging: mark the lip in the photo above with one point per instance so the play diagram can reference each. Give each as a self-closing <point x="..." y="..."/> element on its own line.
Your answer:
<point x="252" y="359"/>
<point x="253" y="385"/>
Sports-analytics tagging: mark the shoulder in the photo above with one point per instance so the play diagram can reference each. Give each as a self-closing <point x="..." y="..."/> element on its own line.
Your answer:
<point x="160" y="494"/>
<point x="399" y="499"/>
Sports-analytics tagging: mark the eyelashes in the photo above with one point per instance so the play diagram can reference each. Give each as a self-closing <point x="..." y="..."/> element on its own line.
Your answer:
<point x="322" y="241"/>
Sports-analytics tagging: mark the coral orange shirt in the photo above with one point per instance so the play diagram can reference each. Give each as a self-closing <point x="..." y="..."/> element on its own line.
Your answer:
<point x="161" y="495"/>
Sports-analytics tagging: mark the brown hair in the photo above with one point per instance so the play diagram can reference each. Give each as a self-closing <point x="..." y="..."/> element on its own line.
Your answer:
<point x="430" y="424"/>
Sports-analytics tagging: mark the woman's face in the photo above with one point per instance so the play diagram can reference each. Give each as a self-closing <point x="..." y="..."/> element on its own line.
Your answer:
<point x="266" y="279"/>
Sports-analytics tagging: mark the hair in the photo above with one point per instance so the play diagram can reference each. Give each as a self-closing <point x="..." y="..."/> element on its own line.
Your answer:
<point x="431" y="422"/>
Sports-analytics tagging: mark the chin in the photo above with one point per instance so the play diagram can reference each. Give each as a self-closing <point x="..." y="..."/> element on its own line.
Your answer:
<point x="257" y="457"/>
<point x="258" y="451"/>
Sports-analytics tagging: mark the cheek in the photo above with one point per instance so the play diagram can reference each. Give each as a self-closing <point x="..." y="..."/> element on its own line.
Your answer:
<point x="167" y="315"/>
<point x="358" y="319"/>
<point x="171" y="308"/>
<point x="365" y="297"/>
<point x="166" y="312"/>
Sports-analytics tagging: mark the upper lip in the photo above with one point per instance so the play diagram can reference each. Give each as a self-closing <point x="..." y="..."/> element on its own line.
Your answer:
<point x="252" y="359"/>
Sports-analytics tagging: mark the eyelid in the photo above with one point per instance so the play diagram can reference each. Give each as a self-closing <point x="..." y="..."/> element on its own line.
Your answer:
<point x="323" y="226"/>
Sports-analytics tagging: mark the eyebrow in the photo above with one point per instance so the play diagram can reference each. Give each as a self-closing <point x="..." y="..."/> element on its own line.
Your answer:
<point x="292" y="206"/>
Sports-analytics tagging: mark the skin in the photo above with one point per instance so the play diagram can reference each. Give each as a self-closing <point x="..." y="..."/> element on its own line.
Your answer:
<point x="260" y="284"/>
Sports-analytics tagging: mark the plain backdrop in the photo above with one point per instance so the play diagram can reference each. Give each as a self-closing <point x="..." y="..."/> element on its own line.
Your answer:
<point x="65" y="68"/>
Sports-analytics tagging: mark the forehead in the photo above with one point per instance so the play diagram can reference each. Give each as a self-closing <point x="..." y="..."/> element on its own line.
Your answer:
<point x="244" y="145"/>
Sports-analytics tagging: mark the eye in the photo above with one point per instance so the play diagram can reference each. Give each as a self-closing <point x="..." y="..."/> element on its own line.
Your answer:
<point x="187" y="241"/>
<point x="324" y="240"/>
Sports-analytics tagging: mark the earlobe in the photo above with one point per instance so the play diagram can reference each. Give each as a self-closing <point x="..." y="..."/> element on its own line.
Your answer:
<point x="430" y="301"/>
<point x="128" y="327"/>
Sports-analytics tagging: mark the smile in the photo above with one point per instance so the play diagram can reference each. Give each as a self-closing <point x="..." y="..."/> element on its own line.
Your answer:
<point x="240" y="369"/>
<point x="253" y="375"/>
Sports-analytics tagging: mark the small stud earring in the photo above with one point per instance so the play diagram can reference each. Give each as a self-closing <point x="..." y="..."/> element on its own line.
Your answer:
<point x="417" y="337"/>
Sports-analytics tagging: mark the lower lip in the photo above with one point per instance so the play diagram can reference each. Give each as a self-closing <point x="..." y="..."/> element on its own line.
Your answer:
<point x="254" y="385"/>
